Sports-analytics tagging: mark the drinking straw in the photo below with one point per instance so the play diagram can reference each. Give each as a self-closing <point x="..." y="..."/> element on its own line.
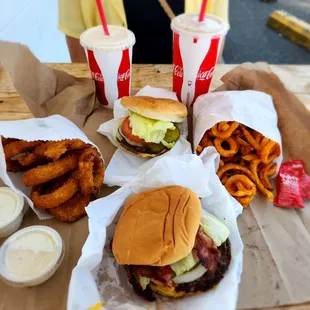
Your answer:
<point x="202" y="10"/>
<point x="102" y="17"/>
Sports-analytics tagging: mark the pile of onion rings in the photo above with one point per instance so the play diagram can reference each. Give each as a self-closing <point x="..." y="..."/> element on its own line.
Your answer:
<point x="246" y="159"/>
<point x="65" y="176"/>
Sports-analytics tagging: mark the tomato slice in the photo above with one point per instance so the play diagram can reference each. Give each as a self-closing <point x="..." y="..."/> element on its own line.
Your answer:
<point x="127" y="131"/>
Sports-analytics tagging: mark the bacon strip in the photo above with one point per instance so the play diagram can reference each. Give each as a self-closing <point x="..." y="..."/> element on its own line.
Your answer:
<point x="158" y="274"/>
<point x="208" y="254"/>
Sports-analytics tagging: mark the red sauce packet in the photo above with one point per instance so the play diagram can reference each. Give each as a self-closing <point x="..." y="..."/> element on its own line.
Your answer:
<point x="299" y="169"/>
<point x="289" y="194"/>
<point x="305" y="187"/>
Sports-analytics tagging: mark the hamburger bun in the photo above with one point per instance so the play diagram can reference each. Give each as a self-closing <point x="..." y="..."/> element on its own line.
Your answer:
<point x="157" y="227"/>
<point x="156" y="108"/>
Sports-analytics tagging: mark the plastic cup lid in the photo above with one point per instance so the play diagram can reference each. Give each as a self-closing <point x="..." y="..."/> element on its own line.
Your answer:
<point x="120" y="38"/>
<point x="188" y="24"/>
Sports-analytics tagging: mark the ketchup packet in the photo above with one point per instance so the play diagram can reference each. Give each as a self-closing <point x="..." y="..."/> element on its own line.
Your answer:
<point x="305" y="187"/>
<point x="289" y="188"/>
<point x="299" y="169"/>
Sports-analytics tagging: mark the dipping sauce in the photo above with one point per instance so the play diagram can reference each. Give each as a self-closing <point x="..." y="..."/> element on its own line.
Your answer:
<point x="31" y="256"/>
<point x="11" y="211"/>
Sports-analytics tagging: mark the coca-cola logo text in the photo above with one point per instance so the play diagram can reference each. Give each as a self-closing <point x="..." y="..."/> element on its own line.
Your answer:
<point x="97" y="76"/>
<point x="124" y="76"/>
<point x="205" y="75"/>
<point x="120" y="77"/>
<point x="177" y="71"/>
<point x="201" y="76"/>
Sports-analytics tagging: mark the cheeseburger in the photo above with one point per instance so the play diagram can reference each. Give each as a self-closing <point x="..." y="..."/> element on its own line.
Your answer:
<point x="170" y="245"/>
<point x="151" y="128"/>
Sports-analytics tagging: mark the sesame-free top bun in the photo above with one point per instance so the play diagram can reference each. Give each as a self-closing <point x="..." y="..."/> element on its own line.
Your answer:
<point x="157" y="227"/>
<point x="156" y="108"/>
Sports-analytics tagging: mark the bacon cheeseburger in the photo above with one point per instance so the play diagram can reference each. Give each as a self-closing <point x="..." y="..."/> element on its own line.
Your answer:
<point x="169" y="244"/>
<point x="151" y="128"/>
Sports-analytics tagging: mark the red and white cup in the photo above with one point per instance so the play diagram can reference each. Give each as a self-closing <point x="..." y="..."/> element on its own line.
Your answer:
<point x="196" y="47"/>
<point x="109" y="60"/>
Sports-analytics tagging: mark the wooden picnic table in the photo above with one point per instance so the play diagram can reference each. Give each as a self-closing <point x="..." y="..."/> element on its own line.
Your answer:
<point x="296" y="78"/>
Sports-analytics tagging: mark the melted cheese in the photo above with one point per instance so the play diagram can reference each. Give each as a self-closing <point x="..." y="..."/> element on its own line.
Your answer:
<point x="170" y="292"/>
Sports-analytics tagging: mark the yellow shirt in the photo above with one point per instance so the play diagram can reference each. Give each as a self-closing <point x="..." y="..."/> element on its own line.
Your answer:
<point x="75" y="16"/>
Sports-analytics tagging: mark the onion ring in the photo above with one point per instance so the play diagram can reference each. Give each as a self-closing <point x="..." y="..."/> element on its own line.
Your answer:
<point x="18" y="147"/>
<point x="253" y="167"/>
<point x="231" y="166"/>
<point x="98" y="173"/>
<point x="42" y="174"/>
<point x="224" y="134"/>
<point x="71" y="210"/>
<point x="266" y="171"/>
<point x="27" y="160"/>
<point x="249" y="138"/>
<point x="233" y="147"/>
<point x="91" y="172"/>
<point x="243" y="186"/>
<point x="56" y="197"/>
<point x="55" y="149"/>
<point x="221" y="163"/>
<point x="6" y="141"/>
<point x="14" y="166"/>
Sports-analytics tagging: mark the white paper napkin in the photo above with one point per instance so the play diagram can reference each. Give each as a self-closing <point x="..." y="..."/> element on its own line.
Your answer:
<point x="98" y="277"/>
<point x="123" y="166"/>
<point x="251" y="108"/>
<point x="54" y="128"/>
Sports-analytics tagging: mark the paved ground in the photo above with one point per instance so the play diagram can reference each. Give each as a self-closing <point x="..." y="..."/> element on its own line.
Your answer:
<point x="251" y="40"/>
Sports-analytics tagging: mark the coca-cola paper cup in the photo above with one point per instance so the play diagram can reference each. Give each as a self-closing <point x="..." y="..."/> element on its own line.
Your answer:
<point x="196" y="47"/>
<point x="109" y="60"/>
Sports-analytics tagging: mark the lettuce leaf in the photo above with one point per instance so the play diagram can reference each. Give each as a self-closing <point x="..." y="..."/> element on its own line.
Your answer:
<point x="149" y="130"/>
<point x="144" y="282"/>
<point x="214" y="228"/>
<point x="185" y="264"/>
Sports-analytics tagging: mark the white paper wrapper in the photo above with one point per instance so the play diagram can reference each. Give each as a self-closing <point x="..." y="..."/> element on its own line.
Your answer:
<point x="98" y="277"/>
<point x="54" y="128"/>
<point x="251" y="108"/>
<point x="124" y="166"/>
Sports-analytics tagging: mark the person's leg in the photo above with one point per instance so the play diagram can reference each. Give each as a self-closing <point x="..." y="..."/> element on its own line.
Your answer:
<point x="76" y="51"/>
<point x="220" y="58"/>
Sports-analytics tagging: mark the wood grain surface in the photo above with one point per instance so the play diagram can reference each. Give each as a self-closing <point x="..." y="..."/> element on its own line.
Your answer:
<point x="295" y="78"/>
